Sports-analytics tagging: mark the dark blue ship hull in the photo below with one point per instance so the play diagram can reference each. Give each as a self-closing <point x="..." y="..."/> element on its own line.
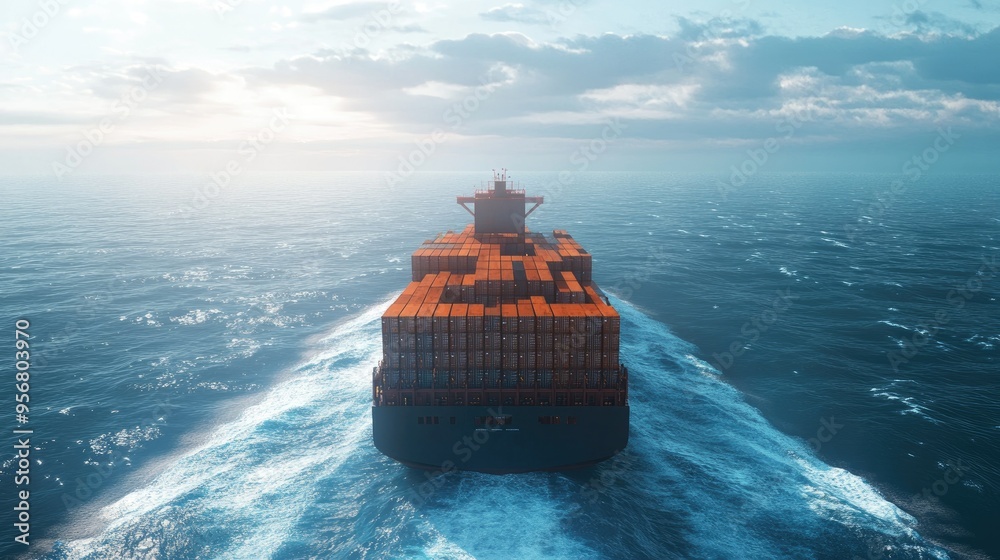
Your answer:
<point x="500" y="440"/>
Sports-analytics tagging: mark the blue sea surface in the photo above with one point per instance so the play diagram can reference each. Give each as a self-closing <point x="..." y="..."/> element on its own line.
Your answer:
<point x="813" y="362"/>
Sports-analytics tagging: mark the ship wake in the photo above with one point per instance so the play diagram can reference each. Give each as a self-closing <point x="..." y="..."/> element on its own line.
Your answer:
<point x="704" y="476"/>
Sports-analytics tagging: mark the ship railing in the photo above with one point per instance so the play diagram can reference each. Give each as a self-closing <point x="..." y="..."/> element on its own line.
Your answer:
<point x="500" y="396"/>
<point x="393" y="388"/>
<point x="409" y="383"/>
<point x="480" y="193"/>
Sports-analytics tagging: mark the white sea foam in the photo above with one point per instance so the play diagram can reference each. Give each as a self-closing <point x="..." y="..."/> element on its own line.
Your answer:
<point x="196" y="316"/>
<point x="243" y="467"/>
<point x="897" y="325"/>
<point x="835" y="242"/>
<point x="302" y="455"/>
<point x="832" y="493"/>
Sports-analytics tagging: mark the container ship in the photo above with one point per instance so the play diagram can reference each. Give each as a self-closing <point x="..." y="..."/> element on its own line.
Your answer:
<point x="502" y="354"/>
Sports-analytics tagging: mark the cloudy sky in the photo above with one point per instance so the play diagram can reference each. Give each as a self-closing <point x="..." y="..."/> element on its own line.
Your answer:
<point x="95" y="86"/>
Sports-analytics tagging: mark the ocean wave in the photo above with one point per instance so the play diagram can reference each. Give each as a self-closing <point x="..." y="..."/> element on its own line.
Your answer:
<point x="197" y="316"/>
<point x="909" y="405"/>
<point x="296" y="475"/>
<point x="127" y="439"/>
<point x="836" y="243"/>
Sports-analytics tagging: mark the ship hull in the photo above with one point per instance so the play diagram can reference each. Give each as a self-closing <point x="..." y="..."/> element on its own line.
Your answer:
<point x="446" y="438"/>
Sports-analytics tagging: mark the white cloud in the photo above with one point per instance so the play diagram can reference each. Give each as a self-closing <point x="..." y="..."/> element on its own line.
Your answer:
<point x="516" y="12"/>
<point x="720" y="82"/>
<point x="438" y="89"/>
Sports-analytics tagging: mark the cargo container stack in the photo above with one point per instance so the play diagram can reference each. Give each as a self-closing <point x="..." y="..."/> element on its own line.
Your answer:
<point x="428" y="326"/>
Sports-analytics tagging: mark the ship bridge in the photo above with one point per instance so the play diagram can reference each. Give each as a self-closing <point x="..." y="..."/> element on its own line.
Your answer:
<point x="500" y="208"/>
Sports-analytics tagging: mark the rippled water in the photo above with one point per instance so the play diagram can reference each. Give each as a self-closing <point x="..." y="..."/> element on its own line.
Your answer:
<point x="202" y="381"/>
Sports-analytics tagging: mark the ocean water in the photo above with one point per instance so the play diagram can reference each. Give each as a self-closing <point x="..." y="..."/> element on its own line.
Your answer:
<point x="814" y="367"/>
